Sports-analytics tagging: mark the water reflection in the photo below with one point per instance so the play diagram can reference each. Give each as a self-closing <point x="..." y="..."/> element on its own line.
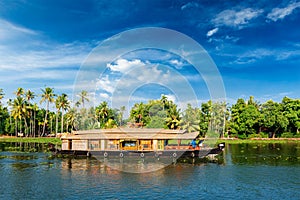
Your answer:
<point x="245" y="174"/>
<point x="23" y="146"/>
<point x="264" y="154"/>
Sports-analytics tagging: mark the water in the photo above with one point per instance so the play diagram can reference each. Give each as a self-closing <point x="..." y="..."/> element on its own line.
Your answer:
<point x="274" y="173"/>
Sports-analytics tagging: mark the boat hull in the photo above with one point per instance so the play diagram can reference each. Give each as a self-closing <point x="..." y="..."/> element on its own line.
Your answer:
<point x="186" y="153"/>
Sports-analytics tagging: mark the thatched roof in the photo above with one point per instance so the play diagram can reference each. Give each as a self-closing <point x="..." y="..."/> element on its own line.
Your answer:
<point x="131" y="133"/>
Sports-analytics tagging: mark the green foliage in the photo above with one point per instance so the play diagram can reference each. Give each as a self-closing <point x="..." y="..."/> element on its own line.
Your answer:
<point x="244" y="119"/>
<point x="156" y="122"/>
<point x="287" y="135"/>
<point x="106" y="116"/>
<point x="161" y="113"/>
<point x="191" y="119"/>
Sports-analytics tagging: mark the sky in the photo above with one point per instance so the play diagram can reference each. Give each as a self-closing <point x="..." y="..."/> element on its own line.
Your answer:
<point x="252" y="47"/>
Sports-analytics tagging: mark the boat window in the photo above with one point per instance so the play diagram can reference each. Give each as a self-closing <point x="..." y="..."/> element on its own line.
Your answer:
<point x="129" y="143"/>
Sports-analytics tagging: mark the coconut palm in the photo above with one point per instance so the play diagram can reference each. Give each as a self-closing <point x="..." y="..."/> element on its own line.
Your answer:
<point x="72" y="119"/>
<point x="34" y="108"/>
<point x="191" y="119"/>
<point x="1" y="94"/>
<point x="51" y="117"/>
<point x="173" y="120"/>
<point x="164" y="101"/>
<point x="48" y="97"/>
<point x="121" y="113"/>
<point x="63" y="104"/>
<point x="102" y="111"/>
<point x="18" y="110"/>
<point x="19" y="92"/>
<point x="29" y="95"/>
<point x="83" y="97"/>
<point x="57" y="106"/>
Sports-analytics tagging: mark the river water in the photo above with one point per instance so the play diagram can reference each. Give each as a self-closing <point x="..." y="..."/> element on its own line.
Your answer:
<point x="246" y="171"/>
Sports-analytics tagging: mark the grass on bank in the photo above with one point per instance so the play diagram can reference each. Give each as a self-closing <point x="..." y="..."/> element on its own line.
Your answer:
<point x="43" y="140"/>
<point x="259" y="141"/>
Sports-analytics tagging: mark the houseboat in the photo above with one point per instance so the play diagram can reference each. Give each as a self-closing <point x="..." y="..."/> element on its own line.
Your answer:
<point x="136" y="142"/>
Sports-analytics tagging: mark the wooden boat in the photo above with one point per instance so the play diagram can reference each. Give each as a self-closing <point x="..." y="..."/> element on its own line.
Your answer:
<point x="135" y="142"/>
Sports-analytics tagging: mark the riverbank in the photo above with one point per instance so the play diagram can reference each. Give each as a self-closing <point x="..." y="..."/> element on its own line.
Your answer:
<point x="44" y="140"/>
<point x="258" y="140"/>
<point x="57" y="141"/>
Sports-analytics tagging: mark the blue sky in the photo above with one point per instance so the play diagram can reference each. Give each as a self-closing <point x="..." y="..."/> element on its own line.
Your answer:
<point x="254" y="44"/>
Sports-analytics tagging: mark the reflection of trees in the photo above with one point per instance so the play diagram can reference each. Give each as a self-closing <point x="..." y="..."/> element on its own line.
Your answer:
<point x="265" y="153"/>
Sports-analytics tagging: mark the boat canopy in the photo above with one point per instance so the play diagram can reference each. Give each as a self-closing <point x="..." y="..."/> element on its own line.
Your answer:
<point x="130" y="133"/>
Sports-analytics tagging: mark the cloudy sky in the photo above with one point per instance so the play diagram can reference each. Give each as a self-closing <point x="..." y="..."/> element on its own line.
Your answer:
<point x="255" y="46"/>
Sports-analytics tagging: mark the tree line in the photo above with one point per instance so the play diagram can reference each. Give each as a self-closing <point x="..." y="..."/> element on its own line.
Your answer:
<point x="244" y="119"/>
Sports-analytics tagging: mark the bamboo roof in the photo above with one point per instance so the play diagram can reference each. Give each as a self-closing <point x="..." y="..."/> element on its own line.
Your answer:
<point x="130" y="134"/>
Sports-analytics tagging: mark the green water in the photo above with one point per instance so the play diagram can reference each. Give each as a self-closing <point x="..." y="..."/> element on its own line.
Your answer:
<point x="247" y="171"/>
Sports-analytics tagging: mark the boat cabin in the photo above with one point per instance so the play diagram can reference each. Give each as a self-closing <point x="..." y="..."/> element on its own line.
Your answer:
<point x="127" y="139"/>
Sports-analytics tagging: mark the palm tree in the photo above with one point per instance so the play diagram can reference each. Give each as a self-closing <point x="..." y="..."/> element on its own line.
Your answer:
<point x="191" y="119"/>
<point x="1" y="94"/>
<point x="63" y="104"/>
<point x="72" y="119"/>
<point x="102" y="111"/>
<point x="140" y="114"/>
<point x="83" y="97"/>
<point x="51" y="117"/>
<point x="57" y="106"/>
<point x="121" y="113"/>
<point x="164" y="101"/>
<point x="19" y="92"/>
<point x="29" y="95"/>
<point x="48" y="97"/>
<point x="18" y="111"/>
<point x="34" y="108"/>
<point x="173" y="119"/>
<point x="10" y="104"/>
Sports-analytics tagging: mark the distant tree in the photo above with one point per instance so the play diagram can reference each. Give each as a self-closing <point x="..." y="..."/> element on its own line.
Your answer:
<point x="1" y="94"/>
<point x="191" y="119"/>
<point x="34" y="109"/>
<point x="4" y="115"/>
<point x="291" y="110"/>
<point x="140" y="113"/>
<point x="173" y="119"/>
<point x="19" y="92"/>
<point x="29" y="95"/>
<point x="104" y="113"/>
<point x="83" y="95"/>
<point x="48" y="97"/>
<point x="273" y="118"/>
<point x="205" y="117"/>
<point x="18" y="112"/>
<point x="121" y="113"/>
<point x="63" y="104"/>
<point x="245" y="117"/>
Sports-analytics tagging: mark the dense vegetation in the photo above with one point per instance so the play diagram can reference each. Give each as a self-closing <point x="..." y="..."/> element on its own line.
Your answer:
<point x="244" y="119"/>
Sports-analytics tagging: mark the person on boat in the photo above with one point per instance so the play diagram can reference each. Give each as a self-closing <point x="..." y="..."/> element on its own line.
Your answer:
<point x="193" y="143"/>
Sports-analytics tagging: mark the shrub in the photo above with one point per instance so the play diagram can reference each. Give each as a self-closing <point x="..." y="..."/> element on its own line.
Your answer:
<point x="287" y="135"/>
<point x="243" y="136"/>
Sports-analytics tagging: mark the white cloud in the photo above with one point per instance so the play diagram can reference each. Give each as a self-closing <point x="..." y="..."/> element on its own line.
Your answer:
<point x="170" y="97"/>
<point x="190" y="5"/>
<point x="212" y="32"/>
<point x="24" y="49"/>
<point x="254" y="55"/>
<point x="281" y="13"/>
<point x="235" y="18"/>
<point x="123" y="65"/>
<point x="105" y="84"/>
<point x="104" y="95"/>
<point x="61" y="56"/>
<point x="9" y="30"/>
